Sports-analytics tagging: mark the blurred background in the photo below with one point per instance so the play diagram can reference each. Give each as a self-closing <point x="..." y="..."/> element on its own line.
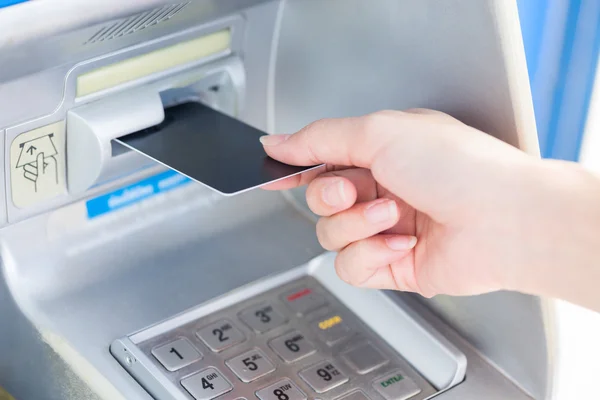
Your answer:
<point x="562" y="38"/>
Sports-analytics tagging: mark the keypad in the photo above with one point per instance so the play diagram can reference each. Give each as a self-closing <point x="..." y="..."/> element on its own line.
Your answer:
<point x="206" y="384"/>
<point x="364" y="358"/>
<point x="220" y="335"/>
<point x="262" y="317"/>
<point x="251" y="365"/>
<point x="396" y="386"/>
<point x="292" y="346"/>
<point x="297" y="342"/>
<point x="285" y="389"/>
<point x="176" y="354"/>
<point x="324" y="376"/>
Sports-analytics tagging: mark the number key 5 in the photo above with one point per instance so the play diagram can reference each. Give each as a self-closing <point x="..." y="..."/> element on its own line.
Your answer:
<point x="250" y="365"/>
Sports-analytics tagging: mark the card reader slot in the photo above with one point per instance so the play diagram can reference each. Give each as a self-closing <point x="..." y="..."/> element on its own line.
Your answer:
<point x="91" y="127"/>
<point x="116" y="149"/>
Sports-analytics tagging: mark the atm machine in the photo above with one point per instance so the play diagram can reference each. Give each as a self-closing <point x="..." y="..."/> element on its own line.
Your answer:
<point x="122" y="279"/>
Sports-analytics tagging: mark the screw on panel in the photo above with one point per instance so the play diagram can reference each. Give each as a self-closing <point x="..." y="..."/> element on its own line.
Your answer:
<point x="129" y="359"/>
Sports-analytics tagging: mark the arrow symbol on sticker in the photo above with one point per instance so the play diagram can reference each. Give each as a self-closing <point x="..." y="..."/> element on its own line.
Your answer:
<point x="31" y="149"/>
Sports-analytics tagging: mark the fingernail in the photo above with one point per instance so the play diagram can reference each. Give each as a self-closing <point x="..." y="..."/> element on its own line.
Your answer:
<point x="401" y="242"/>
<point x="273" y="140"/>
<point x="382" y="211"/>
<point x="333" y="194"/>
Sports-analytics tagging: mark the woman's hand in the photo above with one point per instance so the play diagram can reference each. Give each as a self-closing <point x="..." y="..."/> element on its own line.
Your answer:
<point x="418" y="201"/>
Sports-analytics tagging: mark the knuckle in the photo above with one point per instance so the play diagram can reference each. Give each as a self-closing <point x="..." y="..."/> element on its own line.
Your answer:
<point x="340" y="269"/>
<point x="424" y="290"/>
<point x="410" y="281"/>
<point x="422" y="111"/>
<point x="324" y="234"/>
<point x="308" y="137"/>
<point x="435" y="114"/>
<point x="357" y="253"/>
<point x="378" y="121"/>
<point x="344" y="269"/>
<point x="313" y="198"/>
<point x="377" y="130"/>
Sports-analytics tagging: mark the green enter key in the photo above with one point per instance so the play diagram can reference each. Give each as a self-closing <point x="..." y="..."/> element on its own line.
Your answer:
<point x="396" y="386"/>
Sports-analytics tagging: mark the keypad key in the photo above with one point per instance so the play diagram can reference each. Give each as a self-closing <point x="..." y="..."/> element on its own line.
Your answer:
<point x="284" y="389"/>
<point x="323" y="376"/>
<point x="250" y="365"/>
<point x="220" y="335"/>
<point x="303" y="299"/>
<point x="262" y="317"/>
<point x="292" y="346"/>
<point x="206" y="384"/>
<point x="176" y="354"/>
<point x="358" y="395"/>
<point x="396" y="386"/>
<point x="364" y="358"/>
<point x="331" y="328"/>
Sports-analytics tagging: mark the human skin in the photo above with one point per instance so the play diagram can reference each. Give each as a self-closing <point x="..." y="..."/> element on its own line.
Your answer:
<point x="418" y="201"/>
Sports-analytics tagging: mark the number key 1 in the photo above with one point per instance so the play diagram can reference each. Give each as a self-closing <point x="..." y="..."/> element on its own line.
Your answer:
<point x="176" y="354"/>
<point x="220" y="335"/>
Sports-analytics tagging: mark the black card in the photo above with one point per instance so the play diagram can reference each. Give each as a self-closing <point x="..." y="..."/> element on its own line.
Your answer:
<point x="210" y="148"/>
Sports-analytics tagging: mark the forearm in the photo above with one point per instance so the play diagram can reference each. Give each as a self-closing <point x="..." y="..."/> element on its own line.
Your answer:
<point x="565" y="252"/>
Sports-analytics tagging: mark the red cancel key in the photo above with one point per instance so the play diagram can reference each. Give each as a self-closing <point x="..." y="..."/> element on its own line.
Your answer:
<point x="298" y="295"/>
<point x="304" y="299"/>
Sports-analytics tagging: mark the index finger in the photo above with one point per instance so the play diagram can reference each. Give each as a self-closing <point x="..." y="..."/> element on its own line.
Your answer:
<point x="341" y="141"/>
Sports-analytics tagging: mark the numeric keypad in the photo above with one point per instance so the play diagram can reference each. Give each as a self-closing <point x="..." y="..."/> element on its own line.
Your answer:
<point x="290" y="343"/>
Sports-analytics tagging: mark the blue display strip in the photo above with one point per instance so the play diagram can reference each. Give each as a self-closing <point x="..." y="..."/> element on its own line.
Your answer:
<point x="6" y="3"/>
<point x="135" y="193"/>
<point x="562" y="44"/>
